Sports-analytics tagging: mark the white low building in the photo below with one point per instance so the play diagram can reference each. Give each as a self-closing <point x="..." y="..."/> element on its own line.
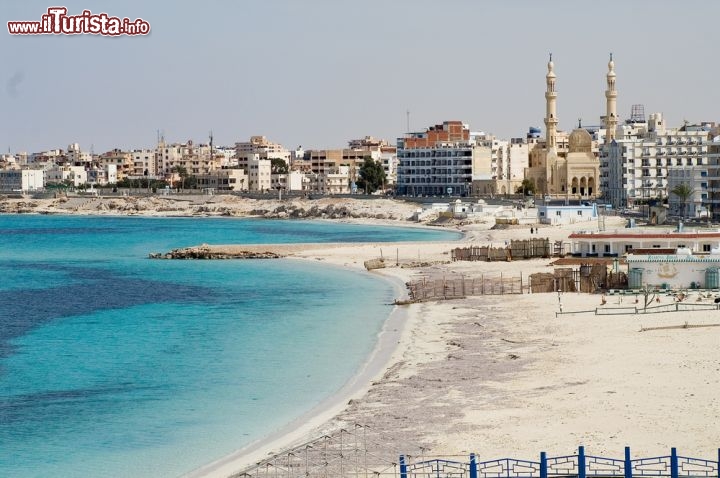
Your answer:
<point x="562" y="214"/>
<point x="673" y="271"/>
<point x="619" y="242"/>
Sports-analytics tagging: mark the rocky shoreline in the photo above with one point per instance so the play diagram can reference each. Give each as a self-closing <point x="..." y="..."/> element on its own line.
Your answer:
<point x="206" y="253"/>
<point x="216" y="205"/>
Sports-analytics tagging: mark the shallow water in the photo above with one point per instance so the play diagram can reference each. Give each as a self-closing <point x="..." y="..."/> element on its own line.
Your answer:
<point x="115" y="365"/>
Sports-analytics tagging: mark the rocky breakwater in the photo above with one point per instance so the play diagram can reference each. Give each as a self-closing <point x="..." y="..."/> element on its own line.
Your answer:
<point x="207" y="252"/>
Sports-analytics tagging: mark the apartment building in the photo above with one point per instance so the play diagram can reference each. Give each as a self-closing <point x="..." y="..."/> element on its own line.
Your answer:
<point x="22" y="180"/>
<point x="259" y="147"/>
<point x="636" y="166"/>
<point x="122" y="160"/>
<point x="230" y="179"/>
<point x="259" y="174"/>
<point x="440" y="160"/>
<point x="144" y="163"/>
<point x="195" y="159"/>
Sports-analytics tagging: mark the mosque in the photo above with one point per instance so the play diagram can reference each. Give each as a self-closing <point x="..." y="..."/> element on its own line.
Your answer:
<point x="565" y="167"/>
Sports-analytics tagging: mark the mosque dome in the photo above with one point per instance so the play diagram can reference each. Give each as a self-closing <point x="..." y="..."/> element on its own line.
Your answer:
<point x="580" y="141"/>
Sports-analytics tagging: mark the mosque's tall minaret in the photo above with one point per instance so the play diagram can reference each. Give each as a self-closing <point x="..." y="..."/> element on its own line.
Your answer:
<point x="611" y="118"/>
<point x="551" y="113"/>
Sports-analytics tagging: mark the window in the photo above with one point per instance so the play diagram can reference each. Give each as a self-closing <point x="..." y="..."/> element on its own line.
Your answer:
<point x="656" y="246"/>
<point x="558" y="213"/>
<point x="542" y="213"/>
<point x="706" y="247"/>
<point x="628" y="247"/>
<point x="579" y="213"/>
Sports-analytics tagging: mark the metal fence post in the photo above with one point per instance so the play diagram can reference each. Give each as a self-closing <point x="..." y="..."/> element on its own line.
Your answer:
<point x="543" y="465"/>
<point x="673" y="463"/>
<point x="403" y="467"/>
<point x="628" y="463"/>
<point x="581" y="462"/>
<point x="473" y="466"/>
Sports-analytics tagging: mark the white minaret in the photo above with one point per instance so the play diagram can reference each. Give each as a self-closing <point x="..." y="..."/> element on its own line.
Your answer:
<point x="551" y="113"/>
<point x="611" y="96"/>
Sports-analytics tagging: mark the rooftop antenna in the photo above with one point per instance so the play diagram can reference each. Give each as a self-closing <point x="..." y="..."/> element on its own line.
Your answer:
<point x="637" y="113"/>
<point x="211" y="144"/>
<point x="579" y="123"/>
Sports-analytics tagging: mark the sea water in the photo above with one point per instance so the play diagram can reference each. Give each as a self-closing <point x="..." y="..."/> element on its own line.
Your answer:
<point x="115" y="365"/>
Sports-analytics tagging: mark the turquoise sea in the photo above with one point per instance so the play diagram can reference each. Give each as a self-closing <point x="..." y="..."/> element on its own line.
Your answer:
<point x="115" y="365"/>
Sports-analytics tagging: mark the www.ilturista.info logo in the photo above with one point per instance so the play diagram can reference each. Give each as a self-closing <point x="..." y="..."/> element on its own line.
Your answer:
<point x="57" y="22"/>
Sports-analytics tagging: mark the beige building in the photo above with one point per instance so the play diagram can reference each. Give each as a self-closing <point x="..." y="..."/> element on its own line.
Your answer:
<point x="195" y="159"/>
<point x="224" y="180"/>
<point x="122" y="160"/>
<point x="570" y="169"/>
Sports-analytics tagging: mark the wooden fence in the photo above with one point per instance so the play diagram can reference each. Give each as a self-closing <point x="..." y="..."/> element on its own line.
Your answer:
<point x="517" y="249"/>
<point x="458" y="287"/>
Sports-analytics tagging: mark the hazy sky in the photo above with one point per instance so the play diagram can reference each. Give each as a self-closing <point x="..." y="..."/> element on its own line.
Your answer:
<point x="318" y="73"/>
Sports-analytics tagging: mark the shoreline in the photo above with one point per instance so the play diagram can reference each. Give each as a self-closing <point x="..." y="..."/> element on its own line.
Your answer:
<point x="381" y="358"/>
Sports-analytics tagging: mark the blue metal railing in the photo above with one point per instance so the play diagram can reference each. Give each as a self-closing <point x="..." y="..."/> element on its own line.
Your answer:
<point x="572" y="466"/>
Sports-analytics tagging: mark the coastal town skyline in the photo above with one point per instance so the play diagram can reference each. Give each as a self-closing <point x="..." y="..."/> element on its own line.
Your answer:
<point x="318" y="74"/>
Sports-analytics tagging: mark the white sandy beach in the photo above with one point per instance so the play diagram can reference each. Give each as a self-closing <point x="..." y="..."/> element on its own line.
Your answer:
<point x="503" y="376"/>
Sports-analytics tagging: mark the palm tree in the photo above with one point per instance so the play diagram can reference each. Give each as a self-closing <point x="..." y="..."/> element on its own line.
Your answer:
<point x="683" y="191"/>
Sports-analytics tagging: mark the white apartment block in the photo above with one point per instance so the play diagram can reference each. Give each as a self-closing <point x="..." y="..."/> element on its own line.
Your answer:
<point x="696" y="180"/>
<point x="389" y="160"/>
<point x="335" y="182"/>
<point x="144" y="163"/>
<point x="22" y="180"/>
<point x="259" y="175"/>
<point x="292" y="181"/>
<point x="634" y="167"/>
<point x="56" y="174"/>
<point x="502" y="165"/>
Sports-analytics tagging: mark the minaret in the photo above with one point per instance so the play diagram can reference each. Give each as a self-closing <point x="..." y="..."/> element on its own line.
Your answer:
<point x="611" y="96"/>
<point x="551" y="113"/>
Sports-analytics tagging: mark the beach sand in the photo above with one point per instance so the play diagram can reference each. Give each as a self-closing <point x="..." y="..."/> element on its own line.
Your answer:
<point x="503" y="376"/>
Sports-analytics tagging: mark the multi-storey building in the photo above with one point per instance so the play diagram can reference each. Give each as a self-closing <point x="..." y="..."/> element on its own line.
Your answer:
<point x="503" y="169"/>
<point x="259" y="174"/>
<point x="388" y="158"/>
<point x="22" y="180"/>
<point x="55" y="174"/>
<point x="225" y="179"/>
<point x="440" y="160"/>
<point x="122" y="160"/>
<point x="76" y="156"/>
<point x="144" y="163"/>
<point x="196" y="160"/>
<point x="260" y="146"/>
<point x="636" y="164"/>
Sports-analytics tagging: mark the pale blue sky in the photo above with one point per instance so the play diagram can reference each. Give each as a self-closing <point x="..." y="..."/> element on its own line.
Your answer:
<point x="321" y="72"/>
